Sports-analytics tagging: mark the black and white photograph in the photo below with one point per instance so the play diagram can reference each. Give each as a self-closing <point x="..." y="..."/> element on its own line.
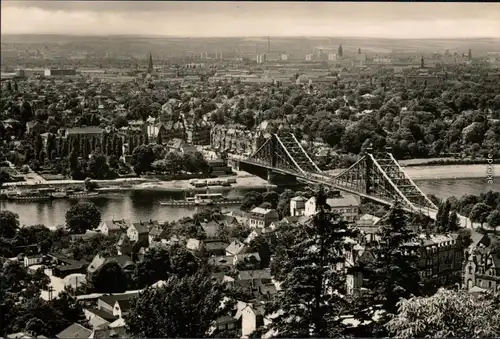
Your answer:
<point x="249" y="169"/>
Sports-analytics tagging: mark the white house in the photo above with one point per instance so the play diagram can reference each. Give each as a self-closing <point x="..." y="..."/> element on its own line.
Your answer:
<point x="297" y="206"/>
<point x="262" y="217"/>
<point x="347" y="206"/>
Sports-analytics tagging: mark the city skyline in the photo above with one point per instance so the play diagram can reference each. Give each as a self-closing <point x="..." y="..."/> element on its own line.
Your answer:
<point x="237" y="19"/>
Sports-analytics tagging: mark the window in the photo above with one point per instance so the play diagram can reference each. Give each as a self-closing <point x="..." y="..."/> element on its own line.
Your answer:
<point x="490" y="284"/>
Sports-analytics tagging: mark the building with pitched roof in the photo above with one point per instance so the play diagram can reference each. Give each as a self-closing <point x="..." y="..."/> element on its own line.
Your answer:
<point x="262" y="217"/>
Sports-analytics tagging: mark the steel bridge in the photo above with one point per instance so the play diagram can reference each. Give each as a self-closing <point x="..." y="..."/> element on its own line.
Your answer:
<point x="376" y="176"/>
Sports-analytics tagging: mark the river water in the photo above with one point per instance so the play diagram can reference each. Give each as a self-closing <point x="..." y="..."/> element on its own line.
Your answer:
<point x="144" y="205"/>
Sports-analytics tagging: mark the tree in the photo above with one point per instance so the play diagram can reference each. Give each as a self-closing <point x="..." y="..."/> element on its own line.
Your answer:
<point x="494" y="219"/>
<point x="284" y="202"/>
<point x="271" y="198"/>
<point x="109" y="278"/>
<point x="154" y="267"/>
<point x="307" y="262"/>
<point x="394" y="274"/>
<point x="142" y="158"/>
<point x="73" y="161"/>
<point x="447" y="314"/>
<point x="97" y="165"/>
<point x="332" y="133"/>
<point x="251" y="200"/>
<point x="480" y="213"/>
<point x="9" y="224"/>
<point x="168" y="312"/>
<point x="442" y="217"/>
<point x="121" y="122"/>
<point x="82" y="217"/>
<point x="453" y="222"/>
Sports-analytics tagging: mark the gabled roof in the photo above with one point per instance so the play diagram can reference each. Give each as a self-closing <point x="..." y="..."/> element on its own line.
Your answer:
<point x="254" y="274"/>
<point x="111" y="299"/>
<point x="140" y="227"/>
<point x="215" y="245"/>
<point x="236" y="247"/>
<point x="263" y="211"/>
<point x="103" y="314"/>
<point x="344" y="201"/>
<point x="75" y="331"/>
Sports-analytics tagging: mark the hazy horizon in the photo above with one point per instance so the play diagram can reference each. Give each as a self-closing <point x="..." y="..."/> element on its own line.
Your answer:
<point x="252" y="19"/>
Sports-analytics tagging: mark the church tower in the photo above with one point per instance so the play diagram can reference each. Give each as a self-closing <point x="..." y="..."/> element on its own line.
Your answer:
<point x="150" y="65"/>
<point x="340" y="52"/>
<point x="470" y="55"/>
<point x="422" y="64"/>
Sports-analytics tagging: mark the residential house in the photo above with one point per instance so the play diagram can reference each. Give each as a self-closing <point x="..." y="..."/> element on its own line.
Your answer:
<point x="297" y="206"/>
<point x="347" y="206"/>
<point x="236" y="247"/>
<point x="215" y="247"/>
<point x="226" y="323"/>
<point x="252" y="317"/>
<point x="221" y="277"/>
<point x="157" y="233"/>
<point x="247" y="261"/>
<point x="262" y="217"/>
<point x="116" y="304"/>
<point x="124" y="246"/>
<point x="98" y="318"/>
<point x="138" y="232"/>
<point x="223" y="263"/>
<point x="109" y="227"/>
<point x="482" y="269"/>
<point x="210" y="228"/>
<point x="252" y="279"/>
<point x="123" y="260"/>
<point x="76" y="331"/>
<point x="195" y="245"/>
<point x="266" y="232"/>
<point x="60" y="266"/>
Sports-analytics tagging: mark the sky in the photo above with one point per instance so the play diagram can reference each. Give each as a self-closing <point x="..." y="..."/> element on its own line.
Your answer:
<point x="229" y="19"/>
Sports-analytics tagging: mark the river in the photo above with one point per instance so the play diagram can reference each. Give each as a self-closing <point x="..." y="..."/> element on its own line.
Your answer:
<point x="144" y="205"/>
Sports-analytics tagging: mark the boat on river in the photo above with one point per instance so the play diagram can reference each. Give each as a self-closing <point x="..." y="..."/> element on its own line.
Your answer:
<point x="205" y="199"/>
<point x="72" y="194"/>
<point x="28" y="195"/>
<point x="47" y="194"/>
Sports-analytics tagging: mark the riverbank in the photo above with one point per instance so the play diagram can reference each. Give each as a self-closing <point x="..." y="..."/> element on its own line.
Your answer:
<point x="431" y="172"/>
<point x="244" y="181"/>
<point x="446" y="162"/>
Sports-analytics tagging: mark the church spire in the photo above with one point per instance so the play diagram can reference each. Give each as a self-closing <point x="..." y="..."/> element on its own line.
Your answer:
<point x="150" y="66"/>
<point x="422" y="65"/>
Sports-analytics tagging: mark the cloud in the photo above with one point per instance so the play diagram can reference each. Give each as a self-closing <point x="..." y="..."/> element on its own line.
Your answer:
<point x="391" y="20"/>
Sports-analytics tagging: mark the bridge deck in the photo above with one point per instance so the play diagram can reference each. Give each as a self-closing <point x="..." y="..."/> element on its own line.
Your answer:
<point x="327" y="180"/>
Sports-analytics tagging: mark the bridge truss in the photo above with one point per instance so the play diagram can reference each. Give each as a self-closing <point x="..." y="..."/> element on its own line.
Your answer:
<point x="376" y="175"/>
<point x="285" y="152"/>
<point x="381" y="176"/>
